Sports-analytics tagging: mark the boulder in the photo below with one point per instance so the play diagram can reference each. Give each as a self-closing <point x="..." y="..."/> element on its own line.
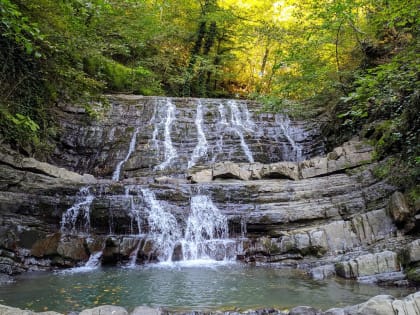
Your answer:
<point x="304" y="310"/>
<point x="414" y="251"/>
<point x="144" y="310"/>
<point x="230" y="170"/>
<point x="105" y="310"/>
<point x="73" y="248"/>
<point x="7" y="310"/>
<point x="322" y="272"/>
<point x="47" y="246"/>
<point x="289" y="170"/>
<point x="201" y="176"/>
<point x="378" y="305"/>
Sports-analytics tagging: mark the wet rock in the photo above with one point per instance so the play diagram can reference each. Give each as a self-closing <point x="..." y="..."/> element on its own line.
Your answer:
<point x="7" y="310"/>
<point x="322" y="272"/>
<point x="370" y="264"/>
<point x="144" y="310"/>
<point x="73" y="248"/>
<point x="6" y="279"/>
<point x="413" y="273"/>
<point x="111" y="252"/>
<point x="398" y="208"/>
<point x="47" y="246"/>
<point x="128" y="245"/>
<point x="177" y="254"/>
<point x="304" y="310"/>
<point x="105" y="310"/>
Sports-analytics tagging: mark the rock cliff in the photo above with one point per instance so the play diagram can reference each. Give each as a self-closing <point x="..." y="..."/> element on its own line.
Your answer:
<point x="283" y="199"/>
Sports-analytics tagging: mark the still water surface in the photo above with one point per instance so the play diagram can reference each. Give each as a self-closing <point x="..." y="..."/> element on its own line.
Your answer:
<point x="184" y="287"/>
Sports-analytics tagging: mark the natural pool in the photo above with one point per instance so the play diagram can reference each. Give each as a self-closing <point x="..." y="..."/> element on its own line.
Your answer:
<point x="184" y="287"/>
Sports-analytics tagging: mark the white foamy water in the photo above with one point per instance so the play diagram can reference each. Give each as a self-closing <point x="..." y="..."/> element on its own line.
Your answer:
<point x="200" y="149"/>
<point x="78" y="215"/>
<point x="170" y="152"/>
<point x="132" y="146"/>
<point x="239" y="125"/>
<point x="206" y="233"/>
<point x="135" y="208"/>
<point x="163" y="226"/>
<point x="92" y="264"/>
<point x="284" y="123"/>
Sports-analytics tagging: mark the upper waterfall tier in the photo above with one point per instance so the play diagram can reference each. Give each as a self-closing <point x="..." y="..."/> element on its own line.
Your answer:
<point x="169" y="135"/>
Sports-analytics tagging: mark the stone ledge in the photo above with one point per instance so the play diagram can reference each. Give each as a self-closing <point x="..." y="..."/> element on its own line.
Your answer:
<point x="351" y="154"/>
<point x="16" y="161"/>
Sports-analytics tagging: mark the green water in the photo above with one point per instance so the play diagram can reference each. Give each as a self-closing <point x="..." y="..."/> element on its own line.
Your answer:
<point x="184" y="288"/>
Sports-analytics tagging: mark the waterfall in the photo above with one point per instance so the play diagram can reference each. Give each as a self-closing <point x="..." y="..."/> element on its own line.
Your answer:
<point x="201" y="147"/>
<point x="134" y="209"/>
<point x="94" y="260"/>
<point x="163" y="226"/>
<point x="283" y="121"/>
<point x="206" y="227"/>
<point x="80" y="211"/>
<point x="170" y="151"/>
<point x="238" y="125"/>
<point x="116" y="175"/>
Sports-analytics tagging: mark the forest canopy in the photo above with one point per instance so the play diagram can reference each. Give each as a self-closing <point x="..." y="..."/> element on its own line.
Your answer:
<point x="299" y="56"/>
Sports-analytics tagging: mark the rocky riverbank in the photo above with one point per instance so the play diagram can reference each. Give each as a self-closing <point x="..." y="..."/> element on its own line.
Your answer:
<point x="378" y="305"/>
<point x="277" y="197"/>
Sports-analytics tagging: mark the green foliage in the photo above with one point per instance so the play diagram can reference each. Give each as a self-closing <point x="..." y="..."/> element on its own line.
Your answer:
<point x="388" y="94"/>
<point x="383" y="169"/>
<point x="121" y="78"/>
<point x="16" y="26"/>
<point x="19" y="129"/>
<point x="296" y="56"/>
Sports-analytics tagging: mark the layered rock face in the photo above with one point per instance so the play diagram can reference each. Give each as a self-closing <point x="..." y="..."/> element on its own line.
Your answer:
<point x="173" y="134"/>
<point x="186" y="178"/>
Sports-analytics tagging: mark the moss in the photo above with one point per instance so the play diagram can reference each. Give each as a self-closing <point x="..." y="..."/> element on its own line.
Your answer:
<point x="413" y="274"/>
<point x="384" y="168"/>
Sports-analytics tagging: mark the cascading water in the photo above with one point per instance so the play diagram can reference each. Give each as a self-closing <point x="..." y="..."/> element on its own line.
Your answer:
<point x="163" y="226"/>
<point x="170" y="152"/>
<point x="116" y="174"/>
<point x="201" y="147"/>
<point x="239" y="126"/>
<point x="78" y="215"/>
<point x="295" y="153"/>
<point x="206" y="231"/>
<point x="134" y="210"/>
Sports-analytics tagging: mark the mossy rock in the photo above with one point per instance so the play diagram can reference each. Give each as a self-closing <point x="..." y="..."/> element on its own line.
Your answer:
<point x="413" y="274"/>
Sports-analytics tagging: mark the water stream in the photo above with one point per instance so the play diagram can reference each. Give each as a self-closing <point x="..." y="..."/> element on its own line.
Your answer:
<point x="131" y="148"/>
<point x="77" y="218"/>
<point x="200" y="149"/>
<point x="170" y="152"/>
